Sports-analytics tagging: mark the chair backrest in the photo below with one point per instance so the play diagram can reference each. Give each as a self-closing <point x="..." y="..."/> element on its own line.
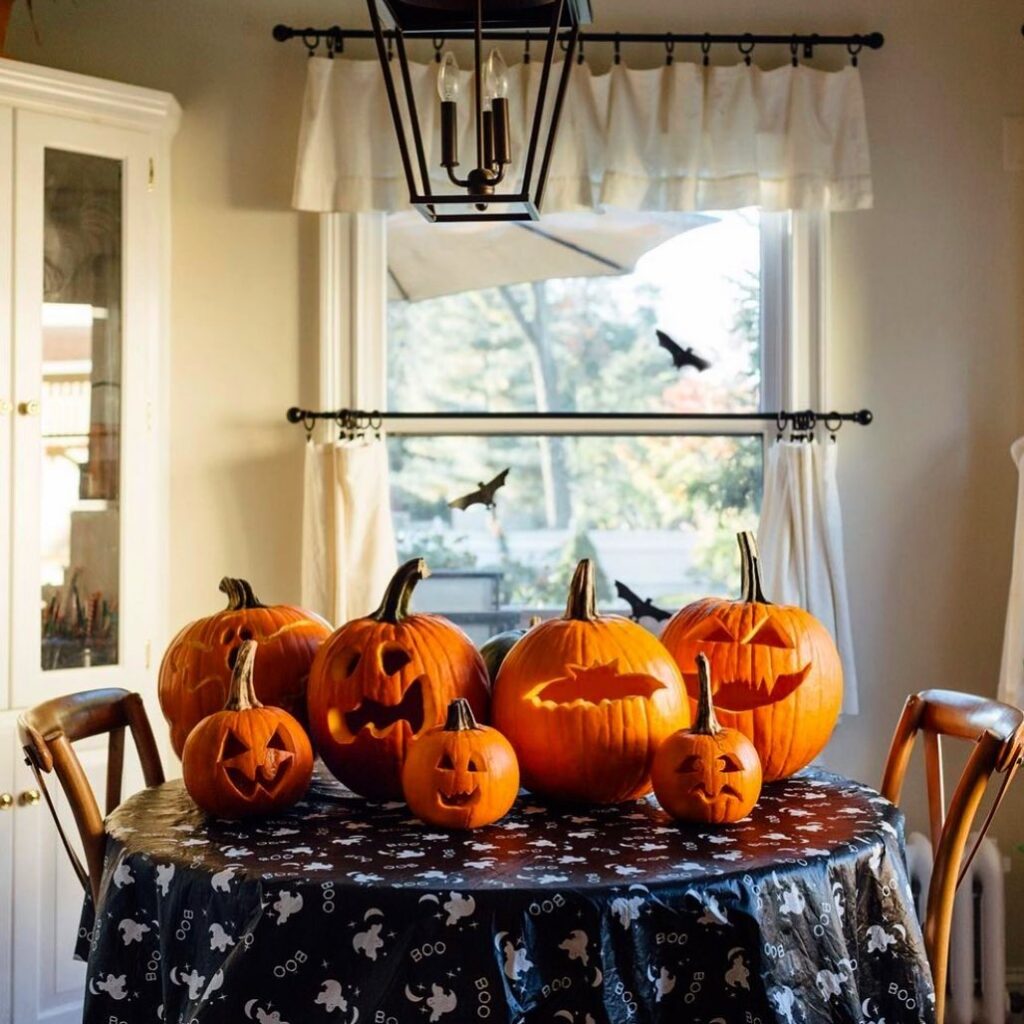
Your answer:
<point x="47" y="732"/>
<point x="997" y="732"/>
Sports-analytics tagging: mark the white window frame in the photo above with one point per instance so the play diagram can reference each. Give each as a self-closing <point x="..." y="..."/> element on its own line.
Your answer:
<point x="353" y="331"/>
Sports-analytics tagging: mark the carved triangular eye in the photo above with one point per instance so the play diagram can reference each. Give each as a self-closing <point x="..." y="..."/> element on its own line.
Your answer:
<point x="471" y="766"/>
<point x="351" y="660"/>
<point x="768" y="634"/>
<point x="277" y="741"/>
<point x="393" y="659"/>
<point x="729" y="763"/>
<point x="690" y="764"/>
<point x="233" y="746"/>
<point x="712" y="631"/>
<point x="446" y="762"/>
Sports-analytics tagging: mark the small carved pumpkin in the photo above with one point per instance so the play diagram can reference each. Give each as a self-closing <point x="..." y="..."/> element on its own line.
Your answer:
<point x="707" y="773"/>
<point x="382" y="680"/>
<point x="195" y="673"/>
<point x="585" y="700"/>
<point x="247" y="759"/>
<point x="778" y="678"/>
<point x="460" y="774"/>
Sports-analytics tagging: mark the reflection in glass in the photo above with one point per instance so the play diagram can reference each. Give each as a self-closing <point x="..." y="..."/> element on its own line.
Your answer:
<point x="658" y="513"/>
<point x="81" y="410"/>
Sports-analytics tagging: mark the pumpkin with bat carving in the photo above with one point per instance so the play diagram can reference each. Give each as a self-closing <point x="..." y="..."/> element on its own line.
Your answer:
<point x="586" y="699"/>
<point x="777" y="674"/>
<point x="460" y="774"/>
<point x="381" y="681"/>
<point x="707" y="773"/>
<point x="246" y="759"/>
<point x="195" y="673"/>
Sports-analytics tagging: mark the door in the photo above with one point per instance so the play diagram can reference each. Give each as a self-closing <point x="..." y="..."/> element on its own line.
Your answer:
<point x="6" y="403"/>
<point x="7" y="805"/>
<point x="83" y="317"/>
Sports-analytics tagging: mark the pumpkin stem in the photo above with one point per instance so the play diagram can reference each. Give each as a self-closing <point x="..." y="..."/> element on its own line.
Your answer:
<point x="395" y="605"/>
<point x="240" y="595"/>
<point x="242" y="695"/>
<point x="460" y="716"/>
<point x="582" y="603"/>
<point x="707" y="723"/>
<point x="750" y="570"/>
<point x="535" y="620"/>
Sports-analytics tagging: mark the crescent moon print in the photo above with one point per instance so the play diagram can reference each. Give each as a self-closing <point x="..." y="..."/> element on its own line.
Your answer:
<point x="428" y="926"/>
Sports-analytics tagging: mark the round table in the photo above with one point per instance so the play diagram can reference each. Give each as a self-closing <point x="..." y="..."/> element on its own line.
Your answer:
<point x="345" y="910"/>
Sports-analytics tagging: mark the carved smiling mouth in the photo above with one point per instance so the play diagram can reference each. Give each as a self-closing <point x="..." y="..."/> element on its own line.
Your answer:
<point x="702" y="791"/>
<point x="266" y="777"/>
<point x="742" y="695"/>
<point x="379" y="718"/>
<point x="460" y="799"/>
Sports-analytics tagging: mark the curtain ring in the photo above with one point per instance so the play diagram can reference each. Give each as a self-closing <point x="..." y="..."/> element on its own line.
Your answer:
<point x="391" y="48"/>
<point x="376" y="422"/>
<point x="853" y="49"/>
<point x="705" y="48"/>
<point x="438" y="42"/>
<point x="794" y="48"/>
<point x="526" y="49"/>
<point x="670" y="45"/>
<point x="308" y="423"/>
<point x="310" y="40"/>
<point x="579" y="52"/>
<point x="781" y="419"/>
<point x="833" y="422"/>
<point x="617" y="49"/>
<point x="746" y="47"/>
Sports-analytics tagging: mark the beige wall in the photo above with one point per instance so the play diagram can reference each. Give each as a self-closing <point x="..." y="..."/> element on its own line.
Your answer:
<point x="926" y="309"/>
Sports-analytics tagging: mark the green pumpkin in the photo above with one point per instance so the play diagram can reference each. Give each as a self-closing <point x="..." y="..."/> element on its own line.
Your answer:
<point x="496" y="648"/>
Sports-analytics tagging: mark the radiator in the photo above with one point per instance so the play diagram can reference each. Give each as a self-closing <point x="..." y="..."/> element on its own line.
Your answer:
<point x="977" y="948"/>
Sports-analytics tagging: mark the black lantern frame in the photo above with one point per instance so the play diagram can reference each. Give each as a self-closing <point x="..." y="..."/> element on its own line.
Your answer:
<point x="483" y="200"/>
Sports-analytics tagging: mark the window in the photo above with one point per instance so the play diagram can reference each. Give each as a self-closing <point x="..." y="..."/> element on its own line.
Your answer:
<point x="657" y="503"/>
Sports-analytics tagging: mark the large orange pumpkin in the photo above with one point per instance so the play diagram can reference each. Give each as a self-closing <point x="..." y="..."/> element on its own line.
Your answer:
<point x="195" y="673"/>
<point x="778" y="677"/>
<point x="460" y="774"/>
<point x="246" y="759"/>
<point x="585" y="701"/>
<point x="380" y="681"/>
<point x="707" y="773"/>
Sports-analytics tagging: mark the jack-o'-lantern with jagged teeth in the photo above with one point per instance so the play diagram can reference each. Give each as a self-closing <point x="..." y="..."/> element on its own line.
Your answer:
<point x="381" y="681"/>
<point x="778" y="677"/>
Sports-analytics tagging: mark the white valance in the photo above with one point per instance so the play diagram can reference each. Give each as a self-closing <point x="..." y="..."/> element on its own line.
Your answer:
<point x="679" y="137"/>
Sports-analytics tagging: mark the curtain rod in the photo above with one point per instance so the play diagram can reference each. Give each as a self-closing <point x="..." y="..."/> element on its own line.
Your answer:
<point x="336" y="35"/>
<point x="804" y="419"/>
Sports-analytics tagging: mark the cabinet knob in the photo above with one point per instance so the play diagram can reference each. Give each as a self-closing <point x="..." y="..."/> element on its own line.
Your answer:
<point x="6" y="801"/>
<point x="29" y="408"/>
<point x="29" y="798"/>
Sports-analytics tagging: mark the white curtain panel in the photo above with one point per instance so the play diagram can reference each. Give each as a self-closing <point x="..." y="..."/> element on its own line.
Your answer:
<point x="801" y="542"/>
<point x="1011" y="673"/>
<point x="348" y="541"/>
<point x="677" y="137"/>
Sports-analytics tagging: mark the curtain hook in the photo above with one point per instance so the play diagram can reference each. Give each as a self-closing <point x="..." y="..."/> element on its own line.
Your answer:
<point x="794" y="47"/>
<point x="833" y="424"/>
<point x="526" y="49"/>
<point x="438" y="42"/>
<point x="746" y="47"/>
<point x="809" y="44"/>
<point x="617" y="49"/>
<point x="376" y="422"/>
<point x="670" y="45"/>
<point x="781" y="419"/>
<point x="391" y="48"/>
<point x="311" y="40"/>
<point x="308" y="423"/>
<point x="579" y="53"/>
<point x="853" y="49"/>
<point x="705" y="48"/>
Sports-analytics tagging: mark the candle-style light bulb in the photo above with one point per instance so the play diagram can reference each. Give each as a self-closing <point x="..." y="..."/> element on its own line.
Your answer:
<point x="497" y="76"/>
<point x="448" y="78"/>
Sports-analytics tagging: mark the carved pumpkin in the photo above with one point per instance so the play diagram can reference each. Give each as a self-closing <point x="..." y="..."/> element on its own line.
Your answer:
<point x="460" y="774"/>
<point x="585" y="701"/>
<point x="247" y="759"/>
<point x="778" y="678"/>
<point x="195" y="673"/>
<point x="495" y="649"/>
<point x="382" y="680"/>
<point x="707" y="773"/>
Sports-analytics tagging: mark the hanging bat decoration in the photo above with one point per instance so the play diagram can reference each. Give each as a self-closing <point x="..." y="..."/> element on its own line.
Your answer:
<point x="483" y="495"/>
<point x="640" y="608"/>
<point x="682" y="356"/>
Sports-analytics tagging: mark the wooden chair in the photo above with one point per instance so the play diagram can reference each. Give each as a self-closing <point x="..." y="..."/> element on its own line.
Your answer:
<point x="47" y="732"/>
<point x="997" y="732"/>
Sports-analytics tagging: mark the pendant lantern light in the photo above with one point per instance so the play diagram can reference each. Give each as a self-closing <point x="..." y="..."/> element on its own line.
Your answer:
<point x="484" y="191"/>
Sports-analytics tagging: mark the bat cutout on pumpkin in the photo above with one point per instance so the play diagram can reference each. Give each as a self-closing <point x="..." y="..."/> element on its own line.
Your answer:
<point x="247" y="771"/>
<point x="595" y="684"/>
<point x="746" y="693"/>
<point x="483" y="495"/>
<point x="682" y="356"/>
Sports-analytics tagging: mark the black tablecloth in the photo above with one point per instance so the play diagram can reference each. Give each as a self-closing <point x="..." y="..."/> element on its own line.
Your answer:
<point x="344" y="910"/>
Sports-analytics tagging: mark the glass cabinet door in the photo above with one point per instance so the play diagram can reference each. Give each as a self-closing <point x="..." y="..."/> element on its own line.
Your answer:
<point x="76" y="188"/>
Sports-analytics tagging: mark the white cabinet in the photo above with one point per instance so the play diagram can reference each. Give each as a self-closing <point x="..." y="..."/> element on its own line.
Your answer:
<point x="84" y="201"/>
